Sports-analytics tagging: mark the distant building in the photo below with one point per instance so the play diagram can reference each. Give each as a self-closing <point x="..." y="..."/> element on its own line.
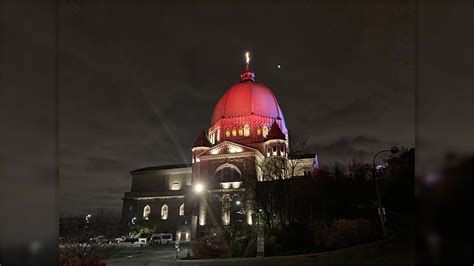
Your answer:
<point x="247" y="128"/>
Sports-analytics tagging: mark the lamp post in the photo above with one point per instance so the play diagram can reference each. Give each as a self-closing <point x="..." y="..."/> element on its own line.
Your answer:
<point x="260" y="236"/>
<point x="198" y="189"/>
<point x="380" y="209"/>
<point x="88" y="218"/>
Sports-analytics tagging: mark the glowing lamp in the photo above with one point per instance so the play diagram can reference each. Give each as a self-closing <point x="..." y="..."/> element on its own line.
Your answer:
<point x="199" y="188"/>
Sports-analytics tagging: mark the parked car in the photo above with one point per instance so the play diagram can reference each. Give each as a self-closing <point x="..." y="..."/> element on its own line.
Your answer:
<point x="142" y="241"/>
<point x="159" y="239"/>
<point x="131" y="239"/>
<point x="143" y="238"/>
<point x="120" y="239"/>
<point x="98" y="239"/>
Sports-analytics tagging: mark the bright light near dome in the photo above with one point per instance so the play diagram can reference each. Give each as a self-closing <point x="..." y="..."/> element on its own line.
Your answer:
<point x="247" y="57"/>
<point x="198" y="188"/>
<point x="235" y="149"/>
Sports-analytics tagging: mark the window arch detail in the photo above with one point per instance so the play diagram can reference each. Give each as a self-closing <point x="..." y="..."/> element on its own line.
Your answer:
<point x="181" y="210"/>
<point x="146" y="212"/>
<point x="265" y="131"/>
<point x="164" y="212"/>
<point x="246" y="130"/>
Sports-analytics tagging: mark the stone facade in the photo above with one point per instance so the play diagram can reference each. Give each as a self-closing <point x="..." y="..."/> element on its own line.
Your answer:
<point x="228" y="159"/>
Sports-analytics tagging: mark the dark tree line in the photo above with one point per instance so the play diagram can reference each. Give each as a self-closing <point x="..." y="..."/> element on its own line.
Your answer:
<point x="101" y="222"/>
<point x="338" y="191"/>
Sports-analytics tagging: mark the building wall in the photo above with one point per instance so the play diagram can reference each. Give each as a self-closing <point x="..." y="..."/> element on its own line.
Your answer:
<point x="155" y="188"/>
<point x="159" y="180"/>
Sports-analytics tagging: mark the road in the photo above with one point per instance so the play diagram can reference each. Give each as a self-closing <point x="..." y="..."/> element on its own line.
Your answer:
<point x="397" y="251"/>
<point x="148" y="255"/>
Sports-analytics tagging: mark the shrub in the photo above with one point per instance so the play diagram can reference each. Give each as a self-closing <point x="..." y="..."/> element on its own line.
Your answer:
<point x="207" y="247"/>
<point x="295" y="237"/>
<point x="343" y="233"/>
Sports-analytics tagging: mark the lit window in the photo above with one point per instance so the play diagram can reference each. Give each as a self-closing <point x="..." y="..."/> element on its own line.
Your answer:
<point x="213" y="137"/>
<point x="164" y="212"/>
<point x="246" y="130"/>
<point x="265" y="131"/>
<point x="218" y="134"/>
<point x="241" y="131"/>
<point x="227" y="132"/>
<point x="234" y="132"/>
<point x="181" y="210"/>
<point x="259" y="131"/>
<point x="175" y="186"/>
<point x="146" y="212"/>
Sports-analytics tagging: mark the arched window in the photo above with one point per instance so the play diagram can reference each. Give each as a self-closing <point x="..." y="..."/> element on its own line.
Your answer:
<point x="164" y="212"/>
<point x="213" y="137"/>
<point x="241" y="131"/>
<point x="265" y="131"/>
<point x="259" y="131"/>
<point x="146" y="212"/>
<point x="181" y="210"/>
<point x="234" y="132"/>
<point x="227" y="132"/>
<point x="246" y="130"/>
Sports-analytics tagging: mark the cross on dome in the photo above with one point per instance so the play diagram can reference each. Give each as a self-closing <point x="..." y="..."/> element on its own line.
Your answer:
<point x="247" y="74"/>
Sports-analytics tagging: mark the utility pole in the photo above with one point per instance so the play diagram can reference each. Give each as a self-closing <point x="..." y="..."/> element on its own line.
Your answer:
<point x="380" y="209"/>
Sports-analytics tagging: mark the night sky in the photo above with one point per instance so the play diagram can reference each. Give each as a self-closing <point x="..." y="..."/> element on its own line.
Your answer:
<point x="139" y="80"/>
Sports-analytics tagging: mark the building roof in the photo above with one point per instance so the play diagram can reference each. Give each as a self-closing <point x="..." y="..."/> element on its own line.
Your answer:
<point x="275" y="132"/>
<point x="202" y="140"/>
<point x="161" y="167"/>
<point x="247" y="98"/>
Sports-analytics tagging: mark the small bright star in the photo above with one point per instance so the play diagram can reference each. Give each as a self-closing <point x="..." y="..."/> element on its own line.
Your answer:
<point x="278" y="66"/>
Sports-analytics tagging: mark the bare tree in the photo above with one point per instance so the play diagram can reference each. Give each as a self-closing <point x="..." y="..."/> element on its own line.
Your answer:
<point x="76" y="247"/>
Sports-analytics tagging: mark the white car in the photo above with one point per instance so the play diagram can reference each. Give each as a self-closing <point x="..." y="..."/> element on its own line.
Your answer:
<point x="159" y="239"/>
<point x="142" y="241"/>
<point x="120" y="239"/>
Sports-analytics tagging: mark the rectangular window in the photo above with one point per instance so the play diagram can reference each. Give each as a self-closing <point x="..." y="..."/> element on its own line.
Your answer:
<point x="175" y="186"/>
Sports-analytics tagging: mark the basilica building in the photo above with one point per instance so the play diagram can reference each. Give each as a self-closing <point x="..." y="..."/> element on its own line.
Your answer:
<point x="247" y="130"/>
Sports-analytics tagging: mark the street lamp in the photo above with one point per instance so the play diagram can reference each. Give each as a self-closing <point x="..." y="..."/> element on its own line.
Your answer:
<point x="199" y="188"/>
<point x="380" y="209"/>
<point x="88" y="217"/>
<point x="196" y="219"/>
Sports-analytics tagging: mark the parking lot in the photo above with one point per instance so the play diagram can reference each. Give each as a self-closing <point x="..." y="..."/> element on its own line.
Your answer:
<point x="132" y="253"/>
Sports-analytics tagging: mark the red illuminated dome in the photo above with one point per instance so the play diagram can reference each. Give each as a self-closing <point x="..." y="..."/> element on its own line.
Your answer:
<point x="247" y="98"/>
<point x="246" y="104"/>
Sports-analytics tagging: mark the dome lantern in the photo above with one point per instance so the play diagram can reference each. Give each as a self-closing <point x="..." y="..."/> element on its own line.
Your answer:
<point x="247" y="74"/>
